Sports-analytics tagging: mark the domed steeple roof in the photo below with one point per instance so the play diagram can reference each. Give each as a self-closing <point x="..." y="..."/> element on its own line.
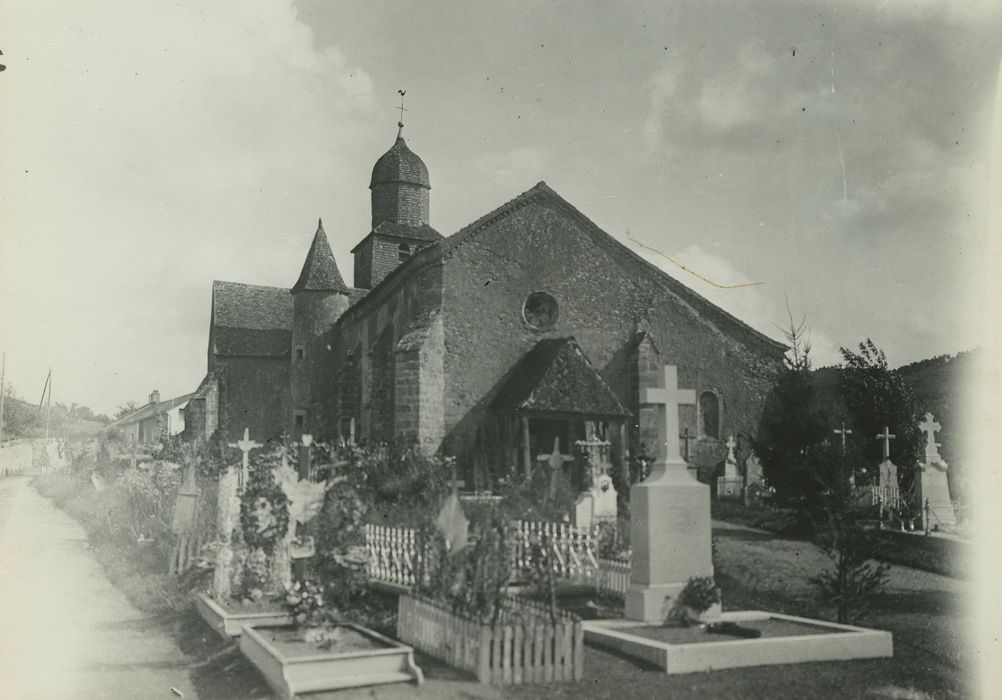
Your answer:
<point x="400" y="164"/>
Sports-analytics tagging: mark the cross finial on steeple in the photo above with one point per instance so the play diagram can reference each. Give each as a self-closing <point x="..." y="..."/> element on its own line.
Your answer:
<point x="400" y="123"/>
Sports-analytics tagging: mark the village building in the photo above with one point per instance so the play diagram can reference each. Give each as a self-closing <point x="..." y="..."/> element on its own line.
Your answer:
<point x="502" y="344"/>
<point x="146" y="424"/>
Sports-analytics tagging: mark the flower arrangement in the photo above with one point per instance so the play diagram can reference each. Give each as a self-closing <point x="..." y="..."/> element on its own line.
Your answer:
<point x="306" y="605"/>
<point x="700" y="594"/>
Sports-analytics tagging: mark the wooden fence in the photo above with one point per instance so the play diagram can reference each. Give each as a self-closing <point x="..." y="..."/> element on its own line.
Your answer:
<point x="393" y="556"/>
<point x="571" y="550"/>
<point x="185" y="552"/>
<point x="527" y="647"/>
<point x="613" y="576"/>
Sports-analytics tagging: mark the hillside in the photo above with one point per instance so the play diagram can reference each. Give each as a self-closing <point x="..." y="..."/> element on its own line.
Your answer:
<point x="24" y="420"/>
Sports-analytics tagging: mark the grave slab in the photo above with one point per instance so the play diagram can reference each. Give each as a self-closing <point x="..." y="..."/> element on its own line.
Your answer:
<point x="816" y="641"/>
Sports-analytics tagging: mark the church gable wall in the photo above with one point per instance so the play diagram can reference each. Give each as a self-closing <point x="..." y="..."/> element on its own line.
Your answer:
<point x="255" y="395"/>
<point x="601" y="301"/>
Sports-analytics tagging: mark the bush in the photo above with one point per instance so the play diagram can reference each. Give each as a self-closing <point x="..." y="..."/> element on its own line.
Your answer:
<point x="700" y="593"/>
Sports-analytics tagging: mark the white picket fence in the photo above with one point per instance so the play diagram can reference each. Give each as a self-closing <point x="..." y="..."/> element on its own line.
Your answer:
<point x="571" y="550"/>
<point x="613" y="576"/>
<point x="393" y="557"/>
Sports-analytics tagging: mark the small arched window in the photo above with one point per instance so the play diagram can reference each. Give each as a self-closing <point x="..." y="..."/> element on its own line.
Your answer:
<point x="405" y="251"/>
<point x="709" y="415"/>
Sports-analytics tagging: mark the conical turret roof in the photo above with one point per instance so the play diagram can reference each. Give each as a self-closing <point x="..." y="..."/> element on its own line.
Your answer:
<point x="320" y="273"/>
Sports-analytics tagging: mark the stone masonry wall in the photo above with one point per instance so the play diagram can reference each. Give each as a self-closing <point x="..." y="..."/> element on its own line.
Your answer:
<point x="394" y="312"/>
<point x="601" y="301"/>
<point x="255" y="392"/>
<point x="400" y="203"/>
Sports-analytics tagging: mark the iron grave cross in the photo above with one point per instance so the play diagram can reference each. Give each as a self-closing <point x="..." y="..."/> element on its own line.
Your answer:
<point x="671" y="397"/>
<point x="886" y="436"/>
<point x="245" y="446"/>
<point x="843" y="432"/>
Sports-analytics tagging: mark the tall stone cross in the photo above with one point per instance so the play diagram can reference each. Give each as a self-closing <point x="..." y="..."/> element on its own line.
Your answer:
<point x="245" y="446"/>
<point x="886" y="436"/>
<point x="671" y="397"/>
<point x="930" y="427"/>
<point x="843" y="432"/>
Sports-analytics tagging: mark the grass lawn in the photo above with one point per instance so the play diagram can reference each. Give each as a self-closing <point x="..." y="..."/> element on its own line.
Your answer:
<point x="755" y="570"/>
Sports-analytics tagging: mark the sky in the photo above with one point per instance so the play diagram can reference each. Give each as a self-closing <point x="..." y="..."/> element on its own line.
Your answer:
<point x="837" y="153"/>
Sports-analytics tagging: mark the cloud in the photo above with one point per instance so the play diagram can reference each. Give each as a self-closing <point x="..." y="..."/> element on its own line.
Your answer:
<point x="153" y="147"/>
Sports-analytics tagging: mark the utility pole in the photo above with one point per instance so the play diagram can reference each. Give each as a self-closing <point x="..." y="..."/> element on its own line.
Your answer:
<point x="3" y="377"/>
<point x="48" y="406"/>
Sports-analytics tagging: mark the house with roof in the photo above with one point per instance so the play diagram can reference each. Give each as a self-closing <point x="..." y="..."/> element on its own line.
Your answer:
<point x="500" y="344"/>
<point x="146" y="424"/>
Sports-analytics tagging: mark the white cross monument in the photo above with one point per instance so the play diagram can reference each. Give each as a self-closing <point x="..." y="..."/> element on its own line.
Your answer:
<point x="932" y="488"/>
<point x="671" y="516"/>
<point x="245" y="446"/>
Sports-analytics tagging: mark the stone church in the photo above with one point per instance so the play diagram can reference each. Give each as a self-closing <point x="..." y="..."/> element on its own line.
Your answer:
<point x="500" y="344"/>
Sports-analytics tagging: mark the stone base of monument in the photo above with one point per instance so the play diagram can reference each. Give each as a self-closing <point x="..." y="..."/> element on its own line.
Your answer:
<point x="730" y="487"/>
<point x="357" y="657"/>
<point x="785" y="639"/>
<point x="229" y="623"/>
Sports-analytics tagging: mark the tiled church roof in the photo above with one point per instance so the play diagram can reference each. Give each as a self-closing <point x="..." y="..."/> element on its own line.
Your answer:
<point x="320" y="271"/>
<point x="556" y="377"/>
<point x="251" y="320"/>
<point x="540" y="193"/>
<point x="392" y="229"/>
<point x="400" y="164"/>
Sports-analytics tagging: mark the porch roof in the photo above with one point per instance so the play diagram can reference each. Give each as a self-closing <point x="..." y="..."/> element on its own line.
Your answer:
<point x="555" y="376"/>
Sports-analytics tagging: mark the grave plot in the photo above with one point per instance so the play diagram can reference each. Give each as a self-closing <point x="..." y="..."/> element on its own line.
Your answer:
<point x="671" y="572"/>
<point x="783" y="639"/>
<point x="249" y="569"/>
<point x="347" y="656"/>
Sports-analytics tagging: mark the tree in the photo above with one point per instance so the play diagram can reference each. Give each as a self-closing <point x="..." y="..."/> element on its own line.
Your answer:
<point x="791" y="423"/>
<point x="126" y="408"/>
<point x="855" y="580"/>
<point x="876" y="397"/>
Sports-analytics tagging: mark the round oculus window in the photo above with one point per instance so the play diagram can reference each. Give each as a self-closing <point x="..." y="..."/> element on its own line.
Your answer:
<point x="540" y="311"/>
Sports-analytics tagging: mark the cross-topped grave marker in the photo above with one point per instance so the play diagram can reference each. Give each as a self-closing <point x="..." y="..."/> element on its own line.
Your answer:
<point x="843" y="432"/>
<point x="671" y="397"/>
<point x="670" y="514"/>
<point x="555" y="460"/>
<point x="930" y="427"/>
<point x="731" y="444"/>
<point x="245" y="446"/>
<point x="886" y="436"/>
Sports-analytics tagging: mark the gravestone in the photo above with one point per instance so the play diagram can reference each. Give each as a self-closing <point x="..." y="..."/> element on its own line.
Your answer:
<point x="598" y="503"/>
<point x="754" y="477"/>
<point x="932" y="488"/>
<point x="888" y="484"/>
<point x="730" y="485"/>
<point x="670" y="512"/>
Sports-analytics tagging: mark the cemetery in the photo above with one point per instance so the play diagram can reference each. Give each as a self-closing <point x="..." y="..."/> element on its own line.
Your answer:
<point x="335" y="565"/>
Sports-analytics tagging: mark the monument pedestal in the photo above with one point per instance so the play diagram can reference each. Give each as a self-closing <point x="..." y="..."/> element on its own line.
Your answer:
<point x="932" y="488"/>
<point x="670" y="513"/>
